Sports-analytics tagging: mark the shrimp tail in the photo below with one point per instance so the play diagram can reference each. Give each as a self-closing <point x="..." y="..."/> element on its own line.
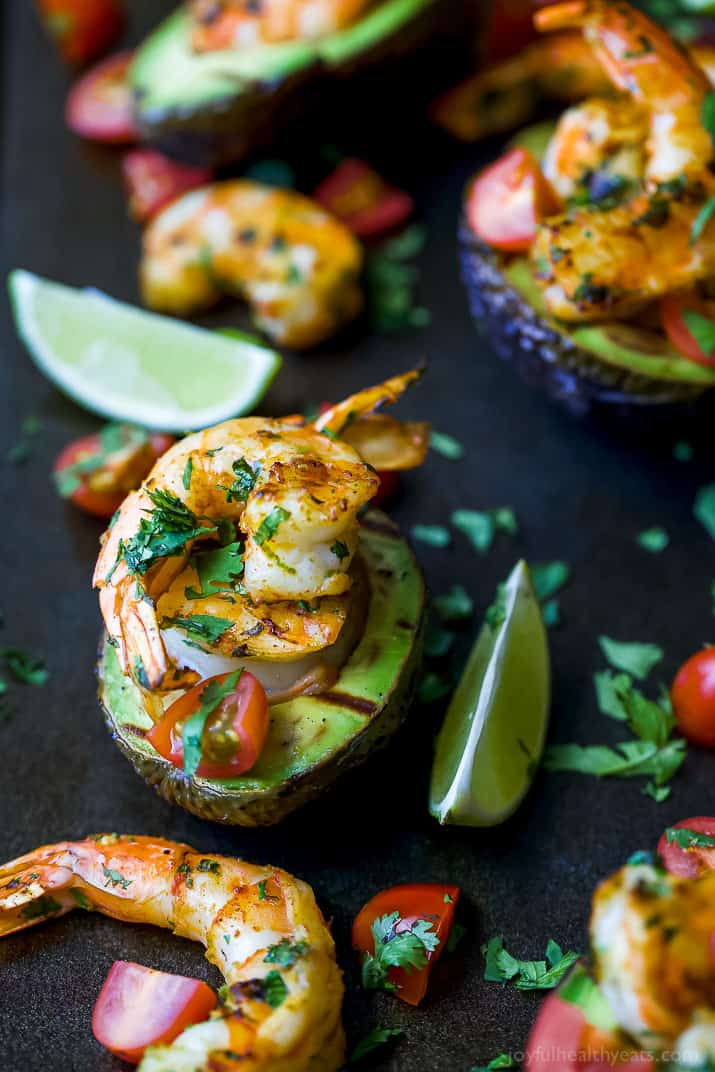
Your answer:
<point x="338" y="417"/>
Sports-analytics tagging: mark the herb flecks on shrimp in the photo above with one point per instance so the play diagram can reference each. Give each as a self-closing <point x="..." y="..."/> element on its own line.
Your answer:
<point x="597" y="263"/>
<point x="243" y="536"/>
<point x="296" y="265"/>
<point x="236" y="24"/>
<point x="261" y="928"/>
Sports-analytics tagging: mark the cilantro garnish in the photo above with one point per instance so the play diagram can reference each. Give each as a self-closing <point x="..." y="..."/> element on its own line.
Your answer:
<point x="274" y="989"/>
<point x="654" y="540"/>
<point x="218" y="570"/>
<point x="610" y="690"/>
<point x="211" y="696"/>
<point x="503" y="1060"/>
<point x="704" y="508"/>
<point x="408" y="948"/>
<point x="188" y="473"/>
<point x="480" y="526"/>
<point x="286" y="953"/>
<point x="113" y="438"/>
<point x="636" y="659"/>
<point x="270" y="524"/>
<point x="201" y="626"/>
<point x="432" y="687"/>
<point x="22" y="450"/>
<point x="81" y="900"/>
<point x="29" y="669"/>
<point x="438" y="641"/>
<point x="495" y="614"/>
<point x="502" y="967"/>
<point x="688" y="839"/>
<point x="43" y="906"/>
<point x="115" y="878"/>
<point x="262" y="895"/>
<point x="212" y="867"/>
<point x="391" y="279"/>
<point x="446" y="445"/>
<point x="242" y="486"/>
<point x="548" y="578"/>
<point x="454" y="605"/>
<point x="702" y="220"/>
<point x="434" y="535"/>
<point x="340" y="550"/>
<point x="166" y="531"/>
<point x="379" y="1036"/>
<point x="683" y="451"/>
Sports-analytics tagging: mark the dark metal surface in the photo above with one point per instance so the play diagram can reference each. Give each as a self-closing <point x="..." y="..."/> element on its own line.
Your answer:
<point x="581" y="493"/>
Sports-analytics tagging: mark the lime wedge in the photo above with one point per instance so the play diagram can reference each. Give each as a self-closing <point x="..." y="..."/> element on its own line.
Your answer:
<point x="131" y="365"/>
<point x="494" y="731"/>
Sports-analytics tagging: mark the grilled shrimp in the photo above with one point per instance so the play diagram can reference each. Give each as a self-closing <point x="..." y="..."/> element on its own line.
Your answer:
<point x="595" y="264"/>
<point x="652" y="942"/>
<point x="235" y="24"/>
<point x="296" y="265"/>
<point x="254" y="921"/>
<point x="291" y="491"/>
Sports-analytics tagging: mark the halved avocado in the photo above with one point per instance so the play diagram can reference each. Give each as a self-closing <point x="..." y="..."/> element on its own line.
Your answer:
<point x="313" y="739"/>
<point x="582" y="367"/>
<point x="216" y="107"/>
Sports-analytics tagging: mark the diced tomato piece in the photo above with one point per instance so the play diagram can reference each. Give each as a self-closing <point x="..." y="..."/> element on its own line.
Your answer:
<point x="693" y="698"/>
<point x="361" y="198"/>
<point x="244" y="713"/>
<point x="508" y="200"/>
<point x="563" y="1040"/>
<point x="97" y="472"/>
<point x="153" y="180"/>
<point x="138" y="1007"/>
<point x="389" y="487"/>
<point x="82" y="29"/>
<point x="674" y="309"/>
<point x="416" y="901"/>
<point x="99" y="105"/>
<point x="694" y="860"/>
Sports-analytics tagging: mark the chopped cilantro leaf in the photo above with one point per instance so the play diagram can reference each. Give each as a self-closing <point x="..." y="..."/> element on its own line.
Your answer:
<point x="285" y="953"/>
<point x="610" y="689"/>
<point x="407" y="947"/>
<point x="502" y="967"/>
<point x="29" y="669"/>
<point x="454" y="605"/>
<point x="702" y="220"/>
<point x="434" y="535"/>
<point x="270" y="524"/>
<point x="653" y="540"/>
<point x="210" y="866"/>
<point x="688" y="839"/>
<point x="43" y="906"/>
<point x="166" y="531"/>
<point x="480" y="526"/>
<point x="188" y="472"/>
<point x="438" y="641"/>
<point x="211" y="696"/>
<point x="340" y="550"/>
<point x="391" y="280"/>
<point x="115" y="878"/>
<point x="446" y="445"/>
<point x="636" y="659"/>
<point x="262" y="895"/>
<point x="548" y="578"/>
<point x="201" y="626"/>
<point x="379" y="1036"/>
<point x="683" y="451"/>
<point x="504" y="1060"/>
<point x="551" y="613"/>
<point x="245" y="479"/>
<point x="704" y="508"/>
<point x="274" y="989"/>
<point x="432" y="687"/>
<point x="218" y="570"/>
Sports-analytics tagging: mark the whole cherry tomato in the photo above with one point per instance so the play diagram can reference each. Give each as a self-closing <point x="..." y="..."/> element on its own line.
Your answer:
<point x="693" y="698"/>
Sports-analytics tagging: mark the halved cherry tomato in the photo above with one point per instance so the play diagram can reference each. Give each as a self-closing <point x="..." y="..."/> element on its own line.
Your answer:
<point x="98" y="471"/>
<point x="153" y="180"/>
<point x="240" y="728"/>
<point x="139" y="1007"/>
<point x="362" y="199"/>
<point x="508" y="200"/>
<point x="693" y="698"/>
<point x="413" y="902"/>
<point x="562" y="1040"/>
<point x="99" y="105"/>
<point x="82" y="29"/>
<point x="389" y="487"/>
<point x="673" y="308"/>
<point x="693" y="861"/>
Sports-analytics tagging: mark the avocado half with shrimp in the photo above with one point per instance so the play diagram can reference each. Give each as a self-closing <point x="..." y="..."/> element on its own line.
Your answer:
<point x="217" y="107"/>
<point x="583" y="366"/>
<point x="338" y="671"/>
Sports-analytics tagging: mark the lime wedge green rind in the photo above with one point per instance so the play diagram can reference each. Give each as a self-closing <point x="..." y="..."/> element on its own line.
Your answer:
<point x="494" y="731"/>
<point x="128" y="364"/>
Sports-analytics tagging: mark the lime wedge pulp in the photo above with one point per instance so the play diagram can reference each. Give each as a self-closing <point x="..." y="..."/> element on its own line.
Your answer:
<point x="494" y="731"/>
<point x="131" y="365"/>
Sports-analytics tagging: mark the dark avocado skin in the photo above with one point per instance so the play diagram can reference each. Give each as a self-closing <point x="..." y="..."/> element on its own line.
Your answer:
<point x="408" y="65"/>
<point x="547" y="358"/>
<point x="268" y="804"/>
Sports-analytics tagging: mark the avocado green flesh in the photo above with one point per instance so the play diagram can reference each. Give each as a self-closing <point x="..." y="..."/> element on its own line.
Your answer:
<point x="167" y="74"/>
<point x="618" y="344"/>
<point x="310" y="734"/>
